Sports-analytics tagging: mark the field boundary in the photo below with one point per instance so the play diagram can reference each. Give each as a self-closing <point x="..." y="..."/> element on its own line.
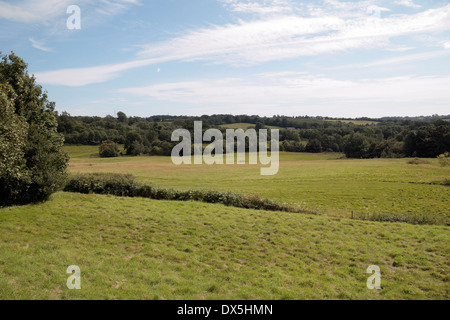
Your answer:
<point x="124" y="185"/>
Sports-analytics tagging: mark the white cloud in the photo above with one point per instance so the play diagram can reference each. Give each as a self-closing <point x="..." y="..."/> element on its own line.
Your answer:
<point x="408" y="3"/>
<point x="39" y="45"/>
<point x="43" y="11"/>
<point x="400" y="48"/>
<point x="397" y="60"/>
<point x="29" y="11"/>
<point x="77" y="77"/>
<point x="16" y="13"/>
<point x="113" y="7"/>
<point x="342" y="9"/>
<point x="292" y="36"/>
<point x="269" y="39"/>
<point x="302" y="94"/>
<point x="266" y="7"/>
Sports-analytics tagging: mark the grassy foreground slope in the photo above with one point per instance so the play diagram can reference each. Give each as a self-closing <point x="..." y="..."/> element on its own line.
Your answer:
<point x="147" y="249"/>
<point x="320" y="182"/>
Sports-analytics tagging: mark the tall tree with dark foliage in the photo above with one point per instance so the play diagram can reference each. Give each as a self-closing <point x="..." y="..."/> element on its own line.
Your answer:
<point x="32" y="163"/>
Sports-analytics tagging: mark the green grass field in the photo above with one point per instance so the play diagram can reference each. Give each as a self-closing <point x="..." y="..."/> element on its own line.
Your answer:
<point x="146" y="249"/>
<point x="134" y="248"/>
<point x="319" y="182"/>
<point x="356" y="122"/>
<point x="244" y="126"/>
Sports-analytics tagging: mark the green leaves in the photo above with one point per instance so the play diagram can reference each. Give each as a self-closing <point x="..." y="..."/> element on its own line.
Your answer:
<point x="32" y="164"/>
<point x="109" y="149"/>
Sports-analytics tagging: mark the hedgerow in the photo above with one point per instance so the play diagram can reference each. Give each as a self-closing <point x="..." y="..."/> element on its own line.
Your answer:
<point x="126" y="186"/>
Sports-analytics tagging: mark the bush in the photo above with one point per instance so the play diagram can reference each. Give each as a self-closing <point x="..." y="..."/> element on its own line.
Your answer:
<point x="163" y="194"/>
<point x="444" y="159"/>
<point x="418" y="161"/>
<point x="109" y="149"/>
<point x="103" y="183"/>
<point x="144" y="191"/>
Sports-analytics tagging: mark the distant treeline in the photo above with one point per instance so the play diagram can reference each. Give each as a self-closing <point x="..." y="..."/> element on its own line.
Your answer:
<point x="357" y="138"/>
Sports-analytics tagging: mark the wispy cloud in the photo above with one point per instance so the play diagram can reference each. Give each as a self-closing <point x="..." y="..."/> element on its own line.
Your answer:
<point x="408" y="3"/>
<point x="113" y="7"/>
<point x="292" y="36"/>
<point x="261" y="8"/>
<point x="397" y="60"/>
<point x="76" y="77"/>
<point x="40" y="45"/>
<point x="267" y="39"/>
<point x="301" y="94"/>
<point x="29" y="11"/>
<point x="16" y="13"/>
<point x="44" y="11"/>
<point x="342" y="9"/>
<point x="400" y="48"/>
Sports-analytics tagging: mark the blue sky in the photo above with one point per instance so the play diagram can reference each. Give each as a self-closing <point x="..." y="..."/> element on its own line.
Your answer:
<point x="329" y="58"/>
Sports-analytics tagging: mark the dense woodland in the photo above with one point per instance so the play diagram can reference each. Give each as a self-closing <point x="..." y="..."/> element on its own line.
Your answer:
<point x="362" y="138"/>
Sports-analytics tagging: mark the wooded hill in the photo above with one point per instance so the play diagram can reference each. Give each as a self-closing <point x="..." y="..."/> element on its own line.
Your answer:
<point x="357" y="138"/>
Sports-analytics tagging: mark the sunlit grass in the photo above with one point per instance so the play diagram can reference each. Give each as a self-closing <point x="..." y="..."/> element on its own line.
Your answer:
<point x="131" y="248"/>
<point x="321" y="182"/>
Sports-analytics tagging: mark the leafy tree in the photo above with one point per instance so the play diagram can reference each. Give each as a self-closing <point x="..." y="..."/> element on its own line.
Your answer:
<point x="389" y="137"/>
<point x="356" y="146"/>
<point x="137" y="148"/>
<point x="428" y="142"/>
<point x="314" y="145"/>
<point x="13" y="134"/>
<point x="33" y="165"/>
<point x="291" y="135"/>
<point x="292" y="146"/>
<point x="259" y="125"/>
<point x="130" y="139"/>
<point x="122" y="117"/>
<point x="109" y="149"/>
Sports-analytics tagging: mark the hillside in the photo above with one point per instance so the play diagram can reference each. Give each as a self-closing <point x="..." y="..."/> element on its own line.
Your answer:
<point x="321" y="182"/>
<point x="147" y="249"/>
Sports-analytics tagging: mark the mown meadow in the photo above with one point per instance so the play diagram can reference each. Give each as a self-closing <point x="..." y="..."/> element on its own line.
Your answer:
<point x="323" y="182"/>
<point x="136" y="248"/>
<point x="133" y="248"/>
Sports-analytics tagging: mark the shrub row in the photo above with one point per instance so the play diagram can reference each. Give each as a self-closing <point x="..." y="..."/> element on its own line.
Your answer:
<point x="122" y="185"/>
<point x="126" y="186"/>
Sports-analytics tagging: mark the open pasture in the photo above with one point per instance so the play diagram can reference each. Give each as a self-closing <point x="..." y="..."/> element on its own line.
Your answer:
<point x="132" y="248"/>
<point x="325" y="183"/>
